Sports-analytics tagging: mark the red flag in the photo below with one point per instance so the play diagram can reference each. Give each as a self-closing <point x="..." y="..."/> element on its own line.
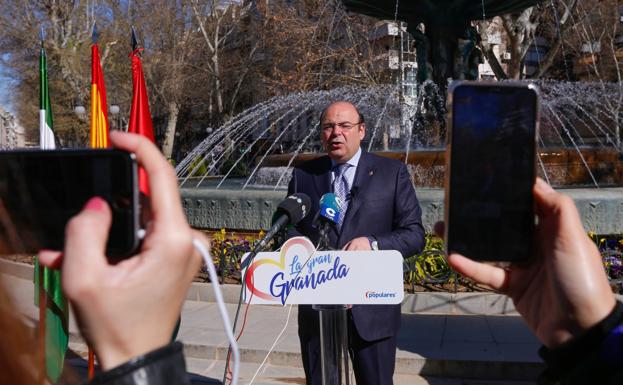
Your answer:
<point x="140" y="117"/>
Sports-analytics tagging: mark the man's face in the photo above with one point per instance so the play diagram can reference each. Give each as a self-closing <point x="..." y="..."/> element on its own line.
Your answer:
<point x="340" y="131"/>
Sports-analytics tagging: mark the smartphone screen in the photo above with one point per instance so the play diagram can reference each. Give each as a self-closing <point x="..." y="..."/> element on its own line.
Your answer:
<point x="492" y="170"/>
<point x="41" y="190"/>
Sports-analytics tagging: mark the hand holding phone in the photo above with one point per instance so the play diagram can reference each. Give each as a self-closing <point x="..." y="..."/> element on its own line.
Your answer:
<point x="129" y="308"/>
<point x="563" y="291"/>
<point x="40" y="190"/>
<point x="490" y="157"/>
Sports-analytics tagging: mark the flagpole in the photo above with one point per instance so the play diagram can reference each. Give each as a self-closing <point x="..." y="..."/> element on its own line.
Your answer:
<point x="40" y="271"/>
<point x="133" y="40"/>
<point x="96" y="141"/>
<point x="41" y="335"/>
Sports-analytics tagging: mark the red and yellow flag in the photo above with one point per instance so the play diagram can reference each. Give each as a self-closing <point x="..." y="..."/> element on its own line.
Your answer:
<point x="99" y="109"/>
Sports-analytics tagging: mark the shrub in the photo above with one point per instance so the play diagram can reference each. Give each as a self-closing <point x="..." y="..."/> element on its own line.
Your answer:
<point x="227" y="250"/>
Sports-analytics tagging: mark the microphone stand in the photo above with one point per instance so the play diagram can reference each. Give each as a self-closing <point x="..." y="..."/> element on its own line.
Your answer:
<point x="333" y="330"/>
<point x="323" y="239"/>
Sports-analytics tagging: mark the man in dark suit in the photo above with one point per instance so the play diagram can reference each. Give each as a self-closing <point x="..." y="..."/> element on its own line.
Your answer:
<point x="381" y="213"/>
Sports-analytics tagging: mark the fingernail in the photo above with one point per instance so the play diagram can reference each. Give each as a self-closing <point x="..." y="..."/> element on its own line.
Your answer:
<point x="95" y="203"/>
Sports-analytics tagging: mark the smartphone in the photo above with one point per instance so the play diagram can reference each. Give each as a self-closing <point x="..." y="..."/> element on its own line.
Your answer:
<point x="40" y="190"/>
<point x="491" y="157"/>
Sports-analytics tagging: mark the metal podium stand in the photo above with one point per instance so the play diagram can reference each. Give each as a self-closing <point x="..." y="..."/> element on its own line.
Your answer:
<point x="333" y="344"/>
<point x="333" y="331"/>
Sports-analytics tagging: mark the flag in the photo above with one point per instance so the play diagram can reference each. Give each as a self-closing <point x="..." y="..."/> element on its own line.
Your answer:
<point x="99" y="109"/>
<point x="140" y="117"/>
<point x="46" y="135"/>
<point x="54" y="310"/>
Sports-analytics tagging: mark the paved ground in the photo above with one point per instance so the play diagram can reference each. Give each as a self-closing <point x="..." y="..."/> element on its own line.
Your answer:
<point x="433" y="349"/>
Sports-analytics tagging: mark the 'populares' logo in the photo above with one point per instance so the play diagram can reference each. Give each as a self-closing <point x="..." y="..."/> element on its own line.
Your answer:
<point x="375" y="295"/>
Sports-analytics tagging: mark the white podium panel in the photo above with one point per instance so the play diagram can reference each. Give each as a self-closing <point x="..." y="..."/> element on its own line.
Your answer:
<point x="300" y="275"/>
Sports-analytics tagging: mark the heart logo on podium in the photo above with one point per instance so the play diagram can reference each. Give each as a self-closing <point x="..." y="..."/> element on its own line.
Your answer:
<point x="288" y="245"/>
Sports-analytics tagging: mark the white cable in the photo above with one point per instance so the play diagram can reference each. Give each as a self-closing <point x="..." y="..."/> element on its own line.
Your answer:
<point x="221" y="306"/>
<point x="285" y="326"/>
<point x="272" y="347"/>
<point x="243" y="284"/>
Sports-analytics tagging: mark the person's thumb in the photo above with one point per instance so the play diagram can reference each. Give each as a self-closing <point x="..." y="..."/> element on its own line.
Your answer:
<point x="555" y="208"/>
<point x="548" y="201"/>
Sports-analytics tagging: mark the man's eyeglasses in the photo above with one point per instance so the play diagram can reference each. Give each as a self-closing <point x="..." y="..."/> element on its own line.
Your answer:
<point x="344" y="126"/>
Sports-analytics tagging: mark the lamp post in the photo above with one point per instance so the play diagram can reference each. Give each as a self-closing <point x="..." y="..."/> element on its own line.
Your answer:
<point x="114" y="111"/>
<point x="80" y="112"/>
<point x="79" y="109"/>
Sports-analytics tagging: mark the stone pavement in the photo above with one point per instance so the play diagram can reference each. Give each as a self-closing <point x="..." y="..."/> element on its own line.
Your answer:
<point x="441" y="349"/>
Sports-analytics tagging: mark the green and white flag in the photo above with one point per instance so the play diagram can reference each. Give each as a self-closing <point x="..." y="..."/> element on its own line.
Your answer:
<point x="46" y="135"/>
<point x="48" y="281"/>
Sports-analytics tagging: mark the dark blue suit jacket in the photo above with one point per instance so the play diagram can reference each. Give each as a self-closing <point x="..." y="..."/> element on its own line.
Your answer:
<point x="384" y="205"/>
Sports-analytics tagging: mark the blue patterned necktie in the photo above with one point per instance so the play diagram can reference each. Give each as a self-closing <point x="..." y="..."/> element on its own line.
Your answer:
<point x="341" y="190"/>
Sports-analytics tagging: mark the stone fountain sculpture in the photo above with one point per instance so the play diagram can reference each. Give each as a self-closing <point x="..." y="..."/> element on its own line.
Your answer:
<point x="445" y="45"/>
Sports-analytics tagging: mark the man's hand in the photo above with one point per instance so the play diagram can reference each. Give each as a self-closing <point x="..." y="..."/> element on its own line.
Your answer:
<point x="564" y="291"/>
<point x="358" y="244"/>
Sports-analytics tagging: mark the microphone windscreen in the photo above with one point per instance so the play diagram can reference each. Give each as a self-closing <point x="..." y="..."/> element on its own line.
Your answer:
<point x="296" y="207"/>
<point x="330" y="207"/>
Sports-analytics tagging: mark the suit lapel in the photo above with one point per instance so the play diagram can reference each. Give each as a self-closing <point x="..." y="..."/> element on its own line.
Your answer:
<point x="322" y="180"/>
<point x="365" y="171"/>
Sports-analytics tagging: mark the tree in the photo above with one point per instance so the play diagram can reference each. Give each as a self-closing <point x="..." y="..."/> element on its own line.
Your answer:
<point x="315" y="45"/>
<point x="520" y="29"/>
<point x="67" y="28"/>
<point x="170" y="42"/>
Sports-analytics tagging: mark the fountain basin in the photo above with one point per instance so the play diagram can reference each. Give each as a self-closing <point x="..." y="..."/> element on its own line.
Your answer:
<point x="250" y="210"/>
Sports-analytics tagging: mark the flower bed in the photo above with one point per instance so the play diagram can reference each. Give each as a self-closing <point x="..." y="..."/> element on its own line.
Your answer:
<point x="427" y="271"/>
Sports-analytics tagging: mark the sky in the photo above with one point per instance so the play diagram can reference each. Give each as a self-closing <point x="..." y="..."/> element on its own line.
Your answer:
<point x="5" y="91"/>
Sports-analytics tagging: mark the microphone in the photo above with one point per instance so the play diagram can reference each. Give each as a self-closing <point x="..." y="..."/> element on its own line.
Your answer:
<point x="289" y="211"/>
<point x="328" y="216"/>
<point x="329" y="208"/>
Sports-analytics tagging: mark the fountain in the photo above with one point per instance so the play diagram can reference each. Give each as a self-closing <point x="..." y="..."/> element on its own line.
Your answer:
<point x="238" y="174"/>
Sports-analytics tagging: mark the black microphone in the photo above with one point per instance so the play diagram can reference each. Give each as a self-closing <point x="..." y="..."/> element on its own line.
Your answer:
<point x="289" y="211"/>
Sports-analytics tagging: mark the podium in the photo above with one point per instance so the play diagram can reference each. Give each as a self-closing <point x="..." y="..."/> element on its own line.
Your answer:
<point x="328" y="279"/>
